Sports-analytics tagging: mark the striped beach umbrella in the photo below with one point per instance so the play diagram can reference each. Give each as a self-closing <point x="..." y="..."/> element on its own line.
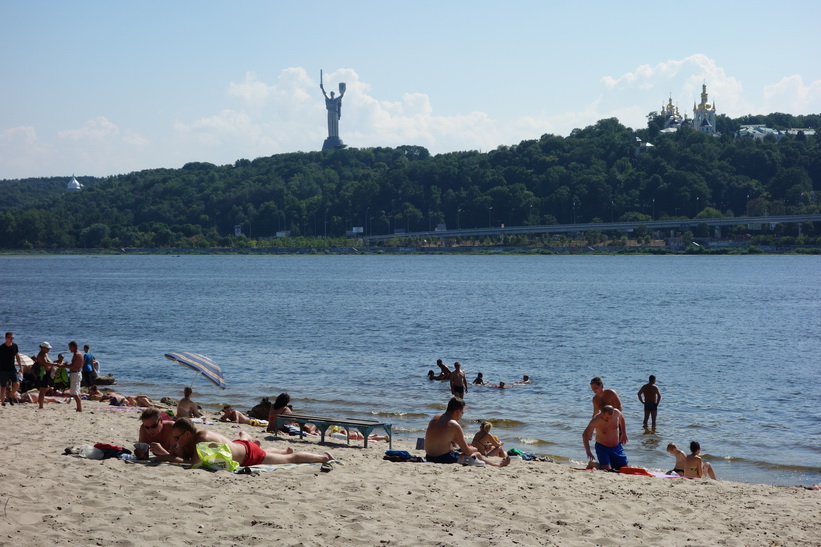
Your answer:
<point x="202" y="364"/>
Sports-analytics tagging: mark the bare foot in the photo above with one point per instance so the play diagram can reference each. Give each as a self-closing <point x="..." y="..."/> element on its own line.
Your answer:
<point x="329" y="456"/>
<point x="505" y="461"/>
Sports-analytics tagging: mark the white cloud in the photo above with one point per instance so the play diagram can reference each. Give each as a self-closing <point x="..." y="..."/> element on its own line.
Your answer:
<point x="791" y="95"/>
<point x="96" y="129"/>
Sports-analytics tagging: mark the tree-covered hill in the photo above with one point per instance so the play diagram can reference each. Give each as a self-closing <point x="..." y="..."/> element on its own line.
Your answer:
<point x="596" y="173"/>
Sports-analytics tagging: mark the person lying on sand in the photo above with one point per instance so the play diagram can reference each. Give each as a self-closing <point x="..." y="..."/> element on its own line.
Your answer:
<point x="234" y="416"/>
<point x="245" y="450"/>
<point x="33" y="397"/>
<point x="117" y="399"/>
<point x="338" y="432"/>
<point x="444" y="431"/>
<point x="694" y="466"/>
<point x="156" y="432"/>
<point x="485" y="443"/>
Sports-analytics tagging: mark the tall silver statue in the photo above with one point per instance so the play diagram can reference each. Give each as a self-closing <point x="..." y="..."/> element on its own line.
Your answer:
<point x="334" y="107"/>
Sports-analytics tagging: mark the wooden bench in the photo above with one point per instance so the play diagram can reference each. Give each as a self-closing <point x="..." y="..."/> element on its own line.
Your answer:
<point x="322" y="423"/>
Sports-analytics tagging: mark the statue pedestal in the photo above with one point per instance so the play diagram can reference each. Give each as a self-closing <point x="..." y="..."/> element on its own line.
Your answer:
<point x="332" y="143"/>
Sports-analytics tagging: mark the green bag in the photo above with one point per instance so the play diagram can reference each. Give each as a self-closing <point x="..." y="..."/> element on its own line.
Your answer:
<point x="215" y="457"/>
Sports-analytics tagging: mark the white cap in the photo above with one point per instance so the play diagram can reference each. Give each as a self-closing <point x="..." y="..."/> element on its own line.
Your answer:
<point x="45" y="345"/>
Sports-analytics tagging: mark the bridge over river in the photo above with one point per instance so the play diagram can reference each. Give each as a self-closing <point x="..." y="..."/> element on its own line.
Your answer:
<point x="681" y="225"/>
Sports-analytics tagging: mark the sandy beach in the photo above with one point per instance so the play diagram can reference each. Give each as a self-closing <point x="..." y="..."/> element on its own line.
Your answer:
<point x="52" y="498"/>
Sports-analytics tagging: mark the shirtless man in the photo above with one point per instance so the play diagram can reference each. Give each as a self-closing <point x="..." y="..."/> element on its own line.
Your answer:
<point x="458" y="381"/>
<point x="610" y="436"/>
<point x="186" y="407"/>
<point x="650" y="397"/>
<point x="694" y="466"/>
<point x="603" y="397"/>
<point x="444" y="373"/>
<point x="235" y="416"/>
<point x="156" y="432"/>
<point x="245" y="451"/>
<point x="75" y="370"/>
<point x="681" y="459"/>
<point x="444" y="431"/>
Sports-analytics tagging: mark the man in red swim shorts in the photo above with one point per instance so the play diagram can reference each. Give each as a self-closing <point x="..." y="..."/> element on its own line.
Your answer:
<point x="245" y="450"/>
<point x="254" y="455"/>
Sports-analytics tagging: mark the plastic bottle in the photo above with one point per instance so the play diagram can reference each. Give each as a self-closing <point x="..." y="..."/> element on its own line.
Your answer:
<point x="128" y="457"/>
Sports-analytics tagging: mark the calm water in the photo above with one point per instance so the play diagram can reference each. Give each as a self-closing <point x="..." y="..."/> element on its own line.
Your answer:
<point x="734" y="341"/>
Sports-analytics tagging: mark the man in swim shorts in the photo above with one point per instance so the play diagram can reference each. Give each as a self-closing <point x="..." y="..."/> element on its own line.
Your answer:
<point x="611" y="434"/>
<point x="458" y="381"/>
<point x="75" y="369"/>
<point x="650" y="397"/>
<point x="444" y="430"/>
<point x="245" y="450"/>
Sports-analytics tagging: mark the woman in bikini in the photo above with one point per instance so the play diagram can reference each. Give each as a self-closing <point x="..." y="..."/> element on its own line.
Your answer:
<point x="487" y="444"/>
<point x="694" y="466"/>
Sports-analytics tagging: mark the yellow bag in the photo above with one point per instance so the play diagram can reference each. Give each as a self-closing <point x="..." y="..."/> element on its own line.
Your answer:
<point x="215" y="457"/>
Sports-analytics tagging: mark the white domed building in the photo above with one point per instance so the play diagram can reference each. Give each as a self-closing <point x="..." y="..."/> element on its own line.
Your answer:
<point x="74" y="185"/>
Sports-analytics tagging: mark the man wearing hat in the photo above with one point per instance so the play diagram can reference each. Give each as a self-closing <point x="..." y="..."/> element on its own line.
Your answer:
<point x="8" y="372"/>
<point x="42" y="373"/>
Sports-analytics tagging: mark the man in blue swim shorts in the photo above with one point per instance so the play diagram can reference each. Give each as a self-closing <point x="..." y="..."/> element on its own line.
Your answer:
<point x="444" y="431"/>
<point x="611" y="434"/>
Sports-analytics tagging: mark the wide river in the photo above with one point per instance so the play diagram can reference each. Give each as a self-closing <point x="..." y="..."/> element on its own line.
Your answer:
<point x="735" y="342"/>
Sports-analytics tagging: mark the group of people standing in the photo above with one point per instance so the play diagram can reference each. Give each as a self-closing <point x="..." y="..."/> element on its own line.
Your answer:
<point x="611" y="432"/>
<point x="80" y="367"/>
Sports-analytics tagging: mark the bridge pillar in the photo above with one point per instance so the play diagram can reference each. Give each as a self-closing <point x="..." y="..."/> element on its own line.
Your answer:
<point x="717" y="232"/>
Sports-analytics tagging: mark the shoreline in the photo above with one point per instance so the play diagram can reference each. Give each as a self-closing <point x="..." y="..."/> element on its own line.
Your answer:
<point x="365" y="499"/>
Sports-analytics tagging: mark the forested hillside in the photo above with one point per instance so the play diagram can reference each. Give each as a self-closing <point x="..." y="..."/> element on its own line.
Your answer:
<point x="595" y="173"/>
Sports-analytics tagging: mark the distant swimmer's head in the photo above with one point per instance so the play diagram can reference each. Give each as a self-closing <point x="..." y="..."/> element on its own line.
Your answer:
<point x="439" y="362"/>
<point x="607" y="413"/>
<point x="652" y="379"/>
<point x="457" y="365"/>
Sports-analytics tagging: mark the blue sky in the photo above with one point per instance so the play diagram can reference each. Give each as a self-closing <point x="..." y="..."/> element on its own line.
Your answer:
<point x="101" y="88"/>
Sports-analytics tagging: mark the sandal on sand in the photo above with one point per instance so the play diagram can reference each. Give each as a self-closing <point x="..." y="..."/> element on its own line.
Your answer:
<point x="246" y="471"/>
<point x="326" y="468"/>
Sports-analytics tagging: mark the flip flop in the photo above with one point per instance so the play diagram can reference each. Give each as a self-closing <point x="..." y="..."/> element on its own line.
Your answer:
<point x="326" y="468"/>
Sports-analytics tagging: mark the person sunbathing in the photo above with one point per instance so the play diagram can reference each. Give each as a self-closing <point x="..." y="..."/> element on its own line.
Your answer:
<point x="444" y="431"/>
<point x="187" y="408"/>
<point x="117" y="399"/>
<point x="33" y="397"/>
<point x="279" y="407"/>
<point x="156" y="433"/>
<point x="681" y="459"/>
<point x="694" y="466"/>
<point x="245" y="450"/>
<point x="338" y="432"/>
<point x="487" y="444"/>
<point x="235" y="416"/>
